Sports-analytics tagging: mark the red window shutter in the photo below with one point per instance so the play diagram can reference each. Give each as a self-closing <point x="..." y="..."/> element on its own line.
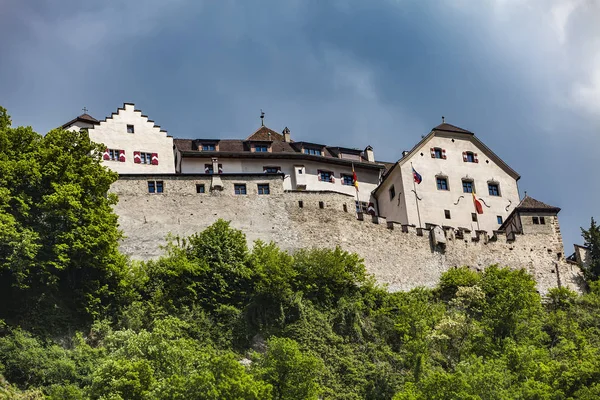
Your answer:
<point x="122" y="155"/>
<point x="464" y="156"/>
<point x="106" y="156"/>
<point x="444" y="154"/>
<point x="220" y="168"/>
<point x="154" y="159"/>
<point x="475" y="157"/>
<point x="332" y="179"/>
<point x="319" y="175"/>
<point x="432" y="150"/>
<point x="136" y="157"/>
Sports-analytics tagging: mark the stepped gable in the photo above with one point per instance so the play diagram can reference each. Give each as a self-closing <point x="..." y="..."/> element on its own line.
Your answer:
<point x="136" y="111"/>
<point x="530" y="204"/>
<point x="82" y="118"/>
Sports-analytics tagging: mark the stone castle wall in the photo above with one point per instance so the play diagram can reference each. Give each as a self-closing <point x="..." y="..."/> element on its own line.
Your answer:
<point x="402" y="257"/>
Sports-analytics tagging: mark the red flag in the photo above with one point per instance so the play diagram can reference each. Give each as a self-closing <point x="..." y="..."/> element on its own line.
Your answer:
<point x="477" y="203"/>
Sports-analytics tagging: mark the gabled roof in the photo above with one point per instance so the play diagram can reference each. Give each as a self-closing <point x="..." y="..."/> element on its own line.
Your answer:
<point x="531" y="204"/>
<point x="528" y="204"/>
<point x="444" y="127"/>
<point x="450" y="129"/>
<point x="263" y="133"/>
<point x="87" y="118"/>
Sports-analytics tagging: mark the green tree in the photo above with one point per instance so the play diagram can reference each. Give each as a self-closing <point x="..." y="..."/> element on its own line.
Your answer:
<point x="293" y="374"/>
<point x="59" y="258"/>
<point x="591" y="239"/>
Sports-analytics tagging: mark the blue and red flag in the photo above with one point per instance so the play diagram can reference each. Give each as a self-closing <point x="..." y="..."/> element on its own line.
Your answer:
<point x="418" y="178"/>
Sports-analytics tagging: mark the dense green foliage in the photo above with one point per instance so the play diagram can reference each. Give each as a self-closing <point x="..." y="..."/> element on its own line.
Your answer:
<point x="213" y="319"/>
<point x="591" y="238"/>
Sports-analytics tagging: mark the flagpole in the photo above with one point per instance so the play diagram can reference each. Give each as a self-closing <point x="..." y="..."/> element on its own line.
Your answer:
<point x="415" y="191"/>
<point x="356" y="187"/>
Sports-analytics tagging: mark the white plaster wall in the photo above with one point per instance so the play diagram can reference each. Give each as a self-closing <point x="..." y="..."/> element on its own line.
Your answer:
<point x="367" y="178"/>
<point x="435" y="201"/>
<point x="78" y="125"/>
<point x="147" y="138"/>
<point x="393" y="210"/>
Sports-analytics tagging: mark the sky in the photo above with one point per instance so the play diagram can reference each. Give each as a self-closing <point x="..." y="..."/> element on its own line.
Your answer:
<point x="524" y="75"/>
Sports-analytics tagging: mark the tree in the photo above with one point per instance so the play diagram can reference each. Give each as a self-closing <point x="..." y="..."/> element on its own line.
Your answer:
<point x="293" y="374"/>
<point x="591" y="237"/>
<point x="59" y="258"/>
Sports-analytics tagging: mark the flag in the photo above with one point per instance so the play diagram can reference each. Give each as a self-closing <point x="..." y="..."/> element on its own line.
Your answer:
<point x="477" y="203"/>
<point x="418" y="178"/>
<point x="354" y="178"/>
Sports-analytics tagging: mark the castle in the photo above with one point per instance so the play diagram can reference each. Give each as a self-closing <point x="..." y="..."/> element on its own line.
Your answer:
<point x="447" y="202"/>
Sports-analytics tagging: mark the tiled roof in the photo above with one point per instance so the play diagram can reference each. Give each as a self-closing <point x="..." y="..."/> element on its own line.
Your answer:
<point x="183" y="144"/>
<point x="531" y="204"/>
<point x="444" y="127"/>
<point x="264" y="133"/>
<point x="84" y="118"/>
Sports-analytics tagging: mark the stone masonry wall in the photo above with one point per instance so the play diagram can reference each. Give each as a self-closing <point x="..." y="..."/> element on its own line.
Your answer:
<point x="398" y="256"/>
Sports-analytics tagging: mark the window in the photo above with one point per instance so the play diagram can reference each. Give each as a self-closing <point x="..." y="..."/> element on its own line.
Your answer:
<point x="500" y="220"/>
<point x="442" y="183"/>
<point x="208" y="147"/>
<point x="272" y="170"/>
<point x="542" y="221"/>
<point x="494" y="189"/>
<point x="263" y="188"/>
<point x="261" y="149"/>
<point x="538" y="220"/>
<point x="113" y="154"/>
<point x="299" y="172"/>
<point x="146" y="158"/>
<point x="326" y="176"/>
<point x="312" y="152"/>
<point x="361" y="206"/>
<point x="239" y="188"/>
<point x="345" y="207"/>
<point x="130" y="129"/>
<point x="467" y="186"/>
<point x="347" y="180"/>
<point x="469" y="156"/>
<point x="321" y="204"/>
<point x="155" y="186"/>
<point x="300" y="204"/>
<point x="392" y="192"/>
<point x="208" y="169"/>
<point x="447" y="214"/>
<point x="474" y="217"/>
<point x="437" y="152"/>
<point x="200" y="188"/>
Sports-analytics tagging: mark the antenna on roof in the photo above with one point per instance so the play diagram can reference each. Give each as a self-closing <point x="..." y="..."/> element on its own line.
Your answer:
<point x="443" y="119"/>
<point x="262" y="118"/>
<point x="84" y="109"/>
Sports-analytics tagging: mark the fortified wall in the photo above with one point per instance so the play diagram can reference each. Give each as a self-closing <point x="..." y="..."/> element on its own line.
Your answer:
<point x="403" y="257"/>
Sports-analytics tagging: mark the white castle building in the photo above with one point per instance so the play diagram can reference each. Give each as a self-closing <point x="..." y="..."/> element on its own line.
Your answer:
<point x="437" y="183"/>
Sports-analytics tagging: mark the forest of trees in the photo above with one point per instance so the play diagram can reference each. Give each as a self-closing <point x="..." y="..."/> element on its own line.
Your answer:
<point x="214" y="319"/>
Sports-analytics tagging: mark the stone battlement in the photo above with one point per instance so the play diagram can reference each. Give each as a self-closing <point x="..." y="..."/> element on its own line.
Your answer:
<point x="401" y="256"/>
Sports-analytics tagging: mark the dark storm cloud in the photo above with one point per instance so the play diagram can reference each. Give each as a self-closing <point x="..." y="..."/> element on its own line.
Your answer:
<point x="525" y="76"/>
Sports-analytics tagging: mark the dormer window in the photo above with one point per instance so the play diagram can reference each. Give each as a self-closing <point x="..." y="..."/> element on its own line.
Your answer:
<point x="469" y="156"/>
<point x="313" y="152"/>
<point x="208" y="147"/>
<point x="261" y="148"/>
<point x="130" y="129"/>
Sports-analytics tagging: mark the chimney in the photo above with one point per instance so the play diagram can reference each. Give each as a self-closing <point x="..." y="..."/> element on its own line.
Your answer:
<point x="369" y="154"/>
<point x="286" y="135"/>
